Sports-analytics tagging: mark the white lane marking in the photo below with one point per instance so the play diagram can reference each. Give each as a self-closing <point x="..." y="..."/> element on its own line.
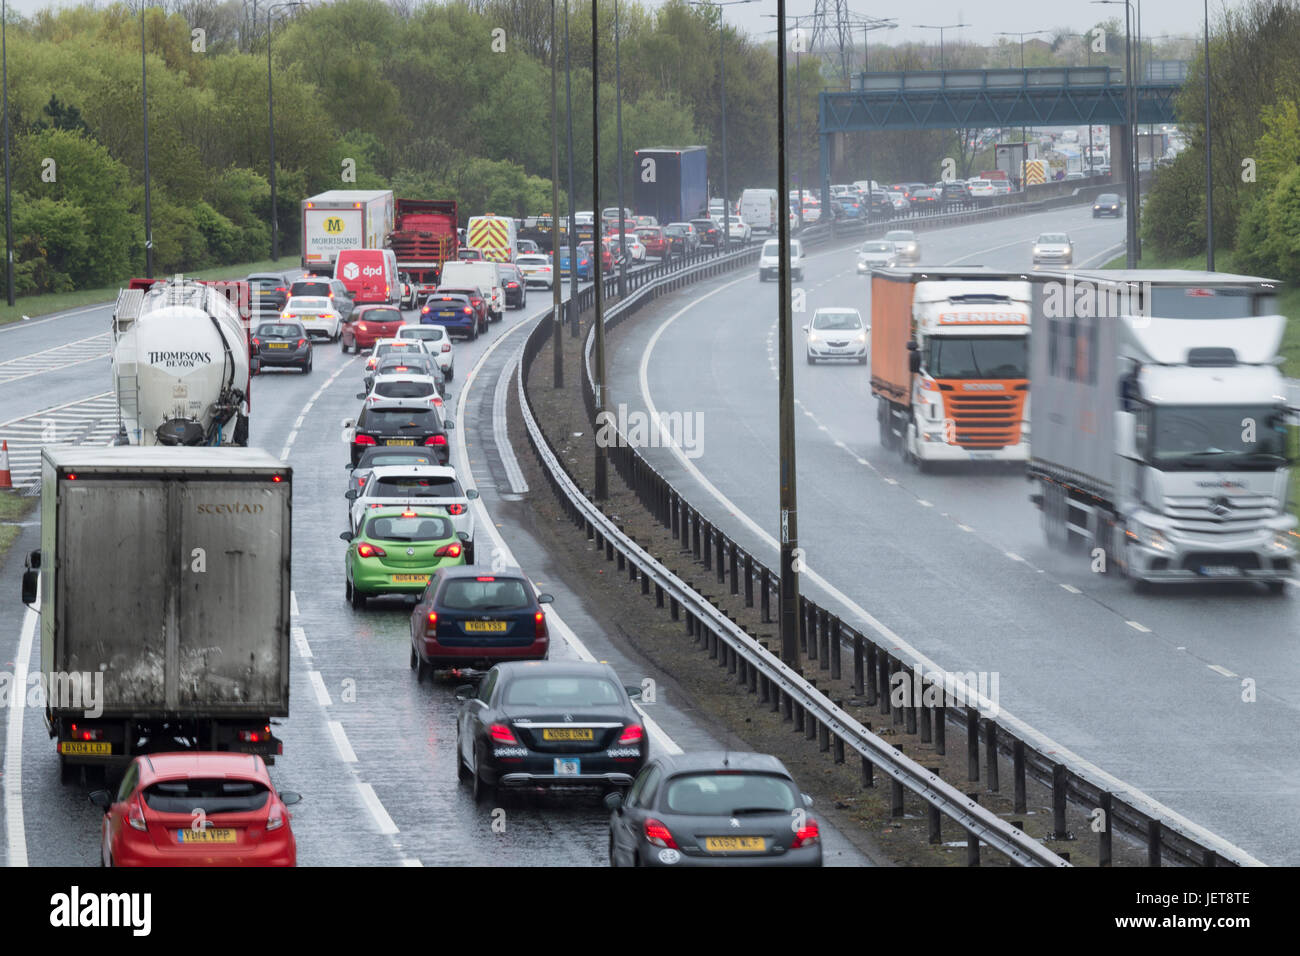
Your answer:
<point x="346" y="753"/>
<point x="293" y="435"/>
<point x="500" y="428"/>
<point x="293" y="604"/>
<point x="863" y="461"/>
<point x="15" y="826"/>
<point x="1071" y="588"/>
<point x="322" y="695"/>
<point x="298" y="422"/>
<point x="386" y="824"/>
<point x="484" y="520"/>
<point x="300" y="639"/>
<point x="1013" y="556"/>
<point x="1138" y="627"/>
<point x="967" y="528"/>
<point x="894" y="640"/>
<point x="407" y="861"/>
<point x="1220" y="670"/>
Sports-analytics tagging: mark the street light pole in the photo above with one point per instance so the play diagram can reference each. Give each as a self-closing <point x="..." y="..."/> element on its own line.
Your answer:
<point x="557" y="319"/>
<point x="9" y="218"/>
<point x="270" y="110"/>
<point x="946" y="26"/>
<point x="144" y="100"/>
<point x="1130" y="128"/>
<point x="597" y="255"/>
<point x="1209" y="175"/>
<point x="573" y="225"/>
<point x="622" y="221"/>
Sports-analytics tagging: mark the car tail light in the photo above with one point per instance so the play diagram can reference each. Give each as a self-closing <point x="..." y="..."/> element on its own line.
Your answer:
<point x="135" y="815"/>
<point x="275" y="819"/>
<point x="431" y="626"/>
<point x="362" y="440"/>
<point x="656" y="834"/>
<point x="468" y="310"/>
<point x="632" y="735"/>
<point x="301" y="343"/>
<point x="512" y="285"/>
<point x="539" y="624"/>
<point x="440" y="440"/>
<point x="257" y="343"/>
<point x="448" y="551"/>
<point x="368" y="550"/>
<point x="425" y="310"/>
<point x="502" y="734"/>
<point x="807" y="835"/>
<point x="455" y="509"/>
<point x="437" y="403"/>
<point x="446" y="346"/>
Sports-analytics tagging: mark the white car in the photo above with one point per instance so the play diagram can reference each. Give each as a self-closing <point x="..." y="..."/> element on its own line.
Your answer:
<point x="317" y="315"/>
<point x="900" y="202"/>
<point x="537" y="269"/>
<point x="876" y="254"/>
<point x="428" y="486"/>
<point x="404" y="388"/>
<point x="1053" y="248"/>
<point x="770" y="260"/>
<point x="635" y="250"/>
<point x="385" y="347"/>
<point x="436" y="342"/>
<point x="980" y="189"/>
<point x="904" y="240"/>
<point x="740" y="231"/>
<point x="837" y="334"/>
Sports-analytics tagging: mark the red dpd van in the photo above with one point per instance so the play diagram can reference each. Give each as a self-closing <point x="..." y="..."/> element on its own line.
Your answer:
<point x="369" y="274"/>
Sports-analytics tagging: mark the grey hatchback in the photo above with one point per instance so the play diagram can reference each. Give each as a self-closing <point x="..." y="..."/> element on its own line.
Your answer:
<point x="713" y="808"/>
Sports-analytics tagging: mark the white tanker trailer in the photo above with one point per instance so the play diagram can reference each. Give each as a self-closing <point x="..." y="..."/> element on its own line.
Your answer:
<point x="181" y="362"/>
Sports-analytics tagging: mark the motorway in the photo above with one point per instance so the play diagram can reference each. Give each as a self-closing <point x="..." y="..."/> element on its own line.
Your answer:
<point x="1191" y="696"/>
<point x="371" y="750"/>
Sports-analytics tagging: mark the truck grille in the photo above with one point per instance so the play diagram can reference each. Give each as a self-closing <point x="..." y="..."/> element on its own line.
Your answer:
<point x="985" y="421"/>
<point x="1241" y="560"/>
<point x="1222" y="514"/>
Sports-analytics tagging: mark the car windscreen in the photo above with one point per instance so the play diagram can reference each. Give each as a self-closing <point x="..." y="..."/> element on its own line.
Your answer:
<point x="878" y="247"/>
<point x="837" y="321"/>
<point x="284" y="330"/>
<point x="568" y="693"/>
<point x="403" y="389"/>
<point x="211" y="796"/>
<point x="729" y="793"/>
<point x="380" y="315"/>
<point x="424" y="486"/>
<point x="772" y="247"/>
<point x="418" y="528"/>
<point x="399" y="419"/>
<point x="1053" y="239"/>
<point x="491" y="593"/>
<point x="1107" y="198"/>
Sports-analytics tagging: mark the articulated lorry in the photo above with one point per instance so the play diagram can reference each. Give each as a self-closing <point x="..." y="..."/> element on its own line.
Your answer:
<point x="423" y="238"/>
<point x="181" y="362"/>
<point x="164" y="601"/>
<point x="1160" y="424"/>
<point x="949" y="363"/>
<point x="343" y="219"/>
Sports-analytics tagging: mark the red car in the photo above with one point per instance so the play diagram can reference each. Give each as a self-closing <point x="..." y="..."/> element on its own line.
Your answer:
<point x="654" y="240"/>
<point x="606" y="254"/>
<point x="368" y="324"/>
<point x="197" y="809"/>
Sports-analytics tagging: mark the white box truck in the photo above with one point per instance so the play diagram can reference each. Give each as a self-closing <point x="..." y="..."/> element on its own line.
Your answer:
<point x="1160" y="424"/>
<point x="344" y="219"/>
<point x="164" y="600"/>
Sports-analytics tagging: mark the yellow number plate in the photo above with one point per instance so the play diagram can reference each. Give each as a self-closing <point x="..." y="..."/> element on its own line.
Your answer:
<point x="576" y="733"/>
<point x="410" y="578"/>
<point x="735" y="844"/>
<point x="488" y="626"/>
<point x="278" y="345"/>
<point x="399" y="441"/>
<point x="79" y="747"/>
<point x="205" y="836"/>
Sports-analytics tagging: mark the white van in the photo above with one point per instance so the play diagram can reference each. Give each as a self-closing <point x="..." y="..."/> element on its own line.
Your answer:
<point x="481" y="274"/>
<point x="759" y="209"/>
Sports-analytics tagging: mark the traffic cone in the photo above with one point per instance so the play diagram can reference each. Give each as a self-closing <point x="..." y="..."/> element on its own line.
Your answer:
<point x="6" y="480"/>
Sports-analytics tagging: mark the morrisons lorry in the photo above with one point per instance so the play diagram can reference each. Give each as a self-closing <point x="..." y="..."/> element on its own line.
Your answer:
<point x="343" y="219"/>
<point x="949" y="363"/>
<point x="423" y="238"/>
<point x="164" y="601"/>
<point x="1160" y="424"/>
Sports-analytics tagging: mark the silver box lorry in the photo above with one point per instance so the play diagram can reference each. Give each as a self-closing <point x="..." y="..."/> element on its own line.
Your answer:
<point x="164" y="599"/>
<point x="1160" y="423"/>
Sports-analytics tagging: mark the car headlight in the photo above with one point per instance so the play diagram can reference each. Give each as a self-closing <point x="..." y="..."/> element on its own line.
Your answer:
<point x="860" y="338"/>
<point x="1037" y="251"/>
<point x="814" y="339"/>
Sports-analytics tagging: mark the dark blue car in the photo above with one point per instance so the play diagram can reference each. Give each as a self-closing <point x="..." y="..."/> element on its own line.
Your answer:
<point x="452" y="310"/>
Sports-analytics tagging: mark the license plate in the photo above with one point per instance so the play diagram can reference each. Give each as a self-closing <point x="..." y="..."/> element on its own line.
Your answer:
<point x="564" y="733"/>
<point x="82" y="747"/>
<point x="410" y="578"/>
<point x="981" y="456"/>
<point x="277" y="345"/>
<point x="485" y="626"/>
<point x="1220" y="571"/>
<point x="567" y="766"/>
<point x="735" y="844"/>
<point x="446" y="315"/>
<point x="205" y="836"/>
<point x="399" y="441"/>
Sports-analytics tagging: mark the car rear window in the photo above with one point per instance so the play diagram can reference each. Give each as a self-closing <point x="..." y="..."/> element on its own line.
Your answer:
<point x="394" y="458"/>
<point x="488" y="594"/>
<point x="310" y="288"/>
<point x="283" y="331"/>
<point x="393" y="419"/>
<point x="434" y="332"/>
<point x="420" y="528"/>
<point x="729" y="792"/>
<point x="565" y="692"/>
<point x="267" y="283"/>
<point x="381" y="315"/>
<point x="211" y="796"/>
<point x="397" y="486"/>
<point x="403" y="389"/>
<point x="409" y="363"/>
<point x="386" y="348"/>
<point x="308" y="303"/>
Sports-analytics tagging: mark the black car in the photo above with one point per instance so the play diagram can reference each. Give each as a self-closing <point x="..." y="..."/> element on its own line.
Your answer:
<point x="284" y="344"/>
<point x="682" y="239"/>
<point x="713" y="809"/>
<point x="514" y="286"/>
<point x="380" y="455"/>
<point x="1107" y="204"/>
<point x="881" y="207"/>
<point x="549" y="723"/>
<point x="410" y="426"/>
<point x="956" y="195"/>
<point x="269" y="291"/>
<point x="710" y="234"/>
<point x="332" y="289"/>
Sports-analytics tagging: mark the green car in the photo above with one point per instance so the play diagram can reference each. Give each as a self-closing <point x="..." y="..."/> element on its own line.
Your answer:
<point x="397" y="550"/>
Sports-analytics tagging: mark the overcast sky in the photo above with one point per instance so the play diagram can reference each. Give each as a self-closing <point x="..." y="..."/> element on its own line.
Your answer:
<point x="985" y="18"/>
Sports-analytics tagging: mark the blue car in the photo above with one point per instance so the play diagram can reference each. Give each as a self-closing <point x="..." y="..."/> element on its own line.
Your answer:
<point x="584" y="264"/>
<point x="850" y="210"/>
<point x="452" y="310"/>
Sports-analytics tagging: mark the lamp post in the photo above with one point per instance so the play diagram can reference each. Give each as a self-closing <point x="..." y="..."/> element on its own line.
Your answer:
<point x="557" y="320"/>
<point x="867" y="26"/>
<point x="1209" y="176"/>
<point x="270" y="110"/>
<point x="946" y="26"/>
<point x="9" y="219"/>
<point x="622" y="221"/>
<point x="573" y="223"/>
<point x="144" y="101"/>
<point x="798" y="109"/>
<point x="1027" y="33"/>
<point x="597" y="254"/>
<point x="1130" y="124"/>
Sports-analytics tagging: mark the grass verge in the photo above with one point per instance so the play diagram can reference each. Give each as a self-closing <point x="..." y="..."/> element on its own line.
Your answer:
<point x="36" y="305"/>
<point x="14" y="507"/>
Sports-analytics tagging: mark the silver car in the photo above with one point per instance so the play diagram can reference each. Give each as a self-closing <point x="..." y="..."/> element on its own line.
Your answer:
<point x="876" y="254"/>
<point x="837" y="334"/>
<point x="431" y="486"/>
<point x="1053" y="248"/>
<point x="438" y="344"/>
<point x="904" y="240"/>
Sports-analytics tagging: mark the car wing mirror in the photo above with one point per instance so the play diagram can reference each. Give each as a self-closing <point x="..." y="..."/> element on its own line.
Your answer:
<point x="545" y="598"/>
<point x="471" y="494"/>
<point x="345" y="536"/>
<point x="361" y="395"/>
<point x="290" y="797"/>
<point x="633" y="691"/>
<point x="352" y="494"/>
<point x="464" y="691"/>
<point x="102" y="799"/>
<point x="614" y="801"/>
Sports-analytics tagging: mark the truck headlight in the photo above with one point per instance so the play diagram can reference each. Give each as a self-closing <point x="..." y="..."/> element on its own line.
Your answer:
<point x="1281" y="542"/>
<point x="1151" y="538"/>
